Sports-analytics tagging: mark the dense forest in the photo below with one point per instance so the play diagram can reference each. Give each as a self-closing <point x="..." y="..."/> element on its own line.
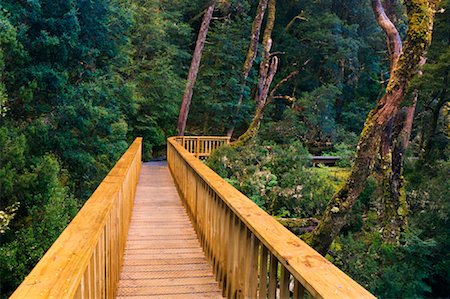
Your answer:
<point x="80" y="79"/>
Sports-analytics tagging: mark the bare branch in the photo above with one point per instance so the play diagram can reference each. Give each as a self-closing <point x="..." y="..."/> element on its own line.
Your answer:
<point x="393" y="37"/>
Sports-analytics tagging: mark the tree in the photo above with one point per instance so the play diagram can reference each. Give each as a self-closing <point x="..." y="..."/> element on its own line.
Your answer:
<point x="193" y="70"/>
<point x="267" y="70"/>
<point x="382" y="128"/>
<point x="251" y="54"/>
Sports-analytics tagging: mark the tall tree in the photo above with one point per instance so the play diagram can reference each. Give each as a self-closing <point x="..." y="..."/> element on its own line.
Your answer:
<point x="193" y="70"/>
<point x="251" y="54"/>
<point x="267" y="69"/>
<point x="382" y="128"/>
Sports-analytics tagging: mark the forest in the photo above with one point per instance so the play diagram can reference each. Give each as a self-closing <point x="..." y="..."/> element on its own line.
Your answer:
<point x="363" y="80"/>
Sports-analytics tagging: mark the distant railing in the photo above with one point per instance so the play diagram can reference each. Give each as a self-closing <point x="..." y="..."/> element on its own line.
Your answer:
<point x="202" y="146"/>
<point x="252" y="255"/>
<point x="85" y="261"/>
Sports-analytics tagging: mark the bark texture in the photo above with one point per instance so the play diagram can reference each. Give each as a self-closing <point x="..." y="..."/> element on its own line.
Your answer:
<point x="260" y="106"/>
<point x="380" y="135"/>
<point x="393" y="38"/>
<point x="250" y="58"/>
<point x="193" y="70"/>
<point x="267" y="70"/>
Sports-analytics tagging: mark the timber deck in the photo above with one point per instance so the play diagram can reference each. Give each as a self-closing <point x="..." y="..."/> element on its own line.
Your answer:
<point x="163" y="257"/>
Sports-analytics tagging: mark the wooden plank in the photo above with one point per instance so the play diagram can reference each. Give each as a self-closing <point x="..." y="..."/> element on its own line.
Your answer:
<point x="168" y="290"/>
<point x="253" y="276"/>
<point x="284" y="283"/>
<point x="203" y="295"/>
<point x="273" y="273"/>
<point x="262" y="287"/>
<point x="163" y="257"/>
<point x="299" y="290"/>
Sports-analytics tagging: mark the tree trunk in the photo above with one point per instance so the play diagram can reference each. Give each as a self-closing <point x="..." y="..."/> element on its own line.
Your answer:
<point x="193" y="70"/>
<point x="430" y="131"/>
<point x="267" y="45"/>
<point x="267" y="70"/>
<point x="260" y="107"/>
<point x="379" y="124"/>
<point x="251" y="54"/>
<point x="393" y="38"/>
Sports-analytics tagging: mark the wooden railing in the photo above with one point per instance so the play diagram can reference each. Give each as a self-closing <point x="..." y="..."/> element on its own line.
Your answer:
<point x="252" y="255"/>
<point x="202" y="146"/>
<point x="85" y="261"/>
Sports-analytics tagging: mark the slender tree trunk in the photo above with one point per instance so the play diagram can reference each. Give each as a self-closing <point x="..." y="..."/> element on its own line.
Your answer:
<point x="409" y="119"/>
<point x="193" y="70"/>
<point x="430" y="130"/>
<point x="251" y="54"/>
<point x="267" y="70"/>
<point x="260" y="107"/>
<point x="378" y="124"/>
<point x="267" y="45"/>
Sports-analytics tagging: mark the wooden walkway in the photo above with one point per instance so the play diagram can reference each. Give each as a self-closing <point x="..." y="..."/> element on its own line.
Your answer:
<point x="163" y="258"/>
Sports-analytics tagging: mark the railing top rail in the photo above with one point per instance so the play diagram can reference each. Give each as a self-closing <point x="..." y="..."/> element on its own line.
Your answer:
<point x="203" y="137"/>
<point x="319" y="276"/>
<point x="60" y="271"/>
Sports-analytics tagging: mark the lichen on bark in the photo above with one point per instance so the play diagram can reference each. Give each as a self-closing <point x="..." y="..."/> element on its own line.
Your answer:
<point x="380" y="138"/>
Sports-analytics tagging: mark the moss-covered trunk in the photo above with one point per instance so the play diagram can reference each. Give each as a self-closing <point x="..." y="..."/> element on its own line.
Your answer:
<point x="249" y="59"/>
<point x="267" y="70"/>
<point x="380" y="136"/>
<point x="260" y="107"/>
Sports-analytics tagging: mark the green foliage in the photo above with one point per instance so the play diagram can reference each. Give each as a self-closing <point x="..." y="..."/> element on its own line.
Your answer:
<point x="387" y="271"/>
<point x="159" y="38"/>
<point x="43" y="205"/>
<point x="277" y="177"/>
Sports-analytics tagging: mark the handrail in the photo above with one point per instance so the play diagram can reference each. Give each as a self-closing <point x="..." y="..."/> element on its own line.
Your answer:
<point x="85" y="260"/>
<point x="202" y="146"/>
<point x="251" y="253"/>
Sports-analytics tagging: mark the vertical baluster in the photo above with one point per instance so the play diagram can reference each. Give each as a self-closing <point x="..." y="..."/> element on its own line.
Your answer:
<point x="103" y="264"/>
<point x="244" y="262"/>
<point x="253" y="273"/>
<point x="108" y="258"/>
<point x="299" y="290"/>
<point x="262" y="293"/>
<point x="230" y="252"/>
<point x="284" y="283"/>
<point x="87" y="282"/>
<point x="79" y="292"/>
<point x="235" y="271"/>
<point x="197" y="150"/>
<point x="223" y="245"/>
<point x="217" y="244"/>
<point x="208" y="225"/>
<point x="273" y="272"/>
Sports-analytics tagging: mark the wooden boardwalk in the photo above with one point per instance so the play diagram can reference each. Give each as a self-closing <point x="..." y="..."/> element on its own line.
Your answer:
<point x="163" y="258"/>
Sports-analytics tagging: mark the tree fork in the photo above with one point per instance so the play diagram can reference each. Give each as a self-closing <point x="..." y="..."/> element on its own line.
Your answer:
<point x="249" y="59"/>
<point x="268" y="68"/>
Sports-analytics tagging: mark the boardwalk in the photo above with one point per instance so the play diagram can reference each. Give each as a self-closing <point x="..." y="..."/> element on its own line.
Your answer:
<point x="163" y="258"/>
<point x="133" y="239"/>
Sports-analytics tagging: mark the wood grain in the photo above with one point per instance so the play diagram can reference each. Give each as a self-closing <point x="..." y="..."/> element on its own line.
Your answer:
<point x="163" y="256"/>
